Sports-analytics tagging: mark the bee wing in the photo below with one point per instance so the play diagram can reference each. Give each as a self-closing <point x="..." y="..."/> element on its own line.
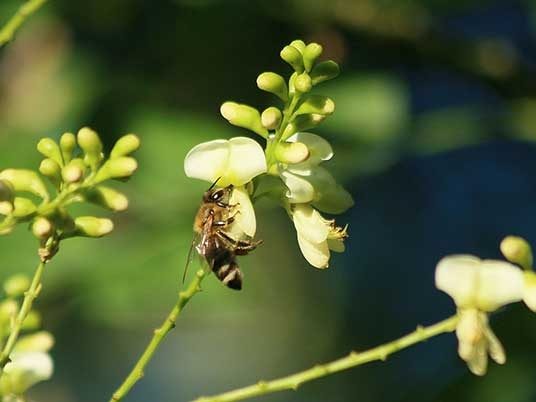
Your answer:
<point x="193" y="246"/>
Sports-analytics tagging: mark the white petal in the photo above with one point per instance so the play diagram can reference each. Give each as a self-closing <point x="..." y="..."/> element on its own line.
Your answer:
<point x="235" y="161"/>
<point x="529" y="293"/>
<point x="472" y="344"/>
<point x="28" y="368"/>
<point x="457" y="276"/>
<point x="317" y="254"/>
<point x="208" y="161"/>
<point x="310" y="224"/>
<point x="247" y="160"/>
<point x="319" y="149"/>
<point x="499" y="283"/>
<point x="495" y="348"/>
<point x="336" y="245"/>
<point x="299" y="189"/>
<point x="245" y="219"/>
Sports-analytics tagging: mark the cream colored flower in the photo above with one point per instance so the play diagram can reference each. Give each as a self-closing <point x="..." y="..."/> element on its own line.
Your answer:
<point x="529" y="294"/>
<point x="316" y="235"/>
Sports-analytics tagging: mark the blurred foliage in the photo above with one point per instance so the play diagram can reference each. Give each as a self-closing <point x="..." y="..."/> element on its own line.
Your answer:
<point x="418" y="78"/>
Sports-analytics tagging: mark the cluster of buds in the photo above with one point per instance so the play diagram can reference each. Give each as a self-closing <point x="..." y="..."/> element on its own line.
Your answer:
<point x="288" y="169"/>
<point x="30" y="362"/>
<point x="75" y="168"/>
<point x="480" y="287"/>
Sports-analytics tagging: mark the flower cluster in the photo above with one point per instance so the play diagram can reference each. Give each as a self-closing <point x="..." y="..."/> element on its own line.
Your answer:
<point x="75" y="177"/>
<point x="30" y="362"/>
<point x="480" y="287"/>
<point x="289" y="168"/>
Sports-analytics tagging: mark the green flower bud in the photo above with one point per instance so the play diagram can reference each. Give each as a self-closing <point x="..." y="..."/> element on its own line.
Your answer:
<point x="50" y="169"/>
<point x="125" y="145"/>
<point x="516" y="249"/>
<point x="273" y="83"/>
<point x="243" y="116"/>
<point x="41" y="341"/>
<point x="310" y="54"/>
<point x="91" y="226"/>
<point x="49" y="148"/>
<point x="293" y="56"/>
<point x="42" y="228"/>
<point x="324" y="71"/>
<point x="74" y="171"/>
<point x="32" y="321"/>
<point x="303" y="83"/>
<point x="121" y="167"/>
<point x="67" y="145"/>
<point x="108" y="198"/>
<point x="16" y="285"/>
<point x="25" y="180"/>
<point x="302" y="122"/>
<point x="23" y="207"/>
<point x="316" y="104"/>
<point x="8" y="308"/>
<point x="291" y="152"/>
<point x="91" y="144"/>
<point x="7" y="196"/>
<point x="298" y="44"/>
<point x="271" y="117"/>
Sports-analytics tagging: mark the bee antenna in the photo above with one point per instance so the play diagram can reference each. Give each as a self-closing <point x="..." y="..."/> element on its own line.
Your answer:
<point x="214" y="184"/>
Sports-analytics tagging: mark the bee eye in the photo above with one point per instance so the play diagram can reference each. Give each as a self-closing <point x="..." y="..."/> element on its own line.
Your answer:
<point x="217" y="195"/>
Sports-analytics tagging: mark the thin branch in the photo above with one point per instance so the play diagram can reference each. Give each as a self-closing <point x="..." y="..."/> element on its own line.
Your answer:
<point x="159" y="334"/>
<point x="8" y="30"/>
<point x="293" y="381"/>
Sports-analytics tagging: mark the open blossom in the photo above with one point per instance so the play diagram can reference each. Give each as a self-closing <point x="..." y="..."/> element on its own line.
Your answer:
<point x="230" y="162"/>
<point x="479" y="287"/>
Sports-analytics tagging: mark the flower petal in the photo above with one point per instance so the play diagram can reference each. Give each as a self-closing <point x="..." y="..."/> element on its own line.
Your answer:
<point x="495" y="348"/>
<point x="27" y="369"/>
<point x="245" y="219"/>
<point x="457" y="276"/>
<point x="310" y="224"/>
<point x="499" y="283"/>
<point x="529" y="294"/>
<point x="319" y="149"/>
<point x="235" y="161"/>
<point x="299" y="189"/>
<point x="316" y="254"/>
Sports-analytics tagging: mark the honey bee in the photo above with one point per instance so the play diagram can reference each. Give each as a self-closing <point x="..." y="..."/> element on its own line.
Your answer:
<point x="212" y="240"/>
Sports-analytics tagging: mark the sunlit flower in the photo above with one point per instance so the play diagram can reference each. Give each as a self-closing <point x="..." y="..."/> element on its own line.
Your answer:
<point x="316" y="235"/>
<point x="529" y="294"/>
<point x="479" y="287"/>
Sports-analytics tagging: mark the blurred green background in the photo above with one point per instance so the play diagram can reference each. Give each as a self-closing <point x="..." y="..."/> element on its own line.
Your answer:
<point x="433" y="134"/>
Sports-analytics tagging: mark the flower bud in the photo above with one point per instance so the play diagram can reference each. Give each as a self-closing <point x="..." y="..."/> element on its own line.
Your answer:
<point x="91" y="144"/>
<point x="291" y="152"/>
<point x="243" y="116"/>
<point x="42" y="228"/>
<point x="324" y="71"/>
<point x="125" y="145"/>
<point x="298" y="44"/>
<point x="32" y="321"/>
<point x="49" y="148"/>
<point x="41" y="341"/>
<point x="271" y="117"/>
<point x="8" y="308"/>
<point x="303" y="83"/>
<point x="7" y="196"/>
<point x="108" y="198"/>
<point x="516" y="249"/>
<point x="316" y="104"/>
<point x="273" y="83"/>
<point x="73" y="172"/>
<point x="302" y="122"/>
<point x="50" y="169"/>
<point x="25" y="180"/>
<point x="92" y="226"/>
<point x="310" y="54"/>
<point x="120" y="167"/>
<point x="23" y="207"/>
<point x="16" y="285"/>
<point x="293" y="57"/>
<point x="67" y="145"/>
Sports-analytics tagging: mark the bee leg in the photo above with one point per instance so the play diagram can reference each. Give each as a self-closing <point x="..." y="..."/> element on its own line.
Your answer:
<point x="240" y="247"/>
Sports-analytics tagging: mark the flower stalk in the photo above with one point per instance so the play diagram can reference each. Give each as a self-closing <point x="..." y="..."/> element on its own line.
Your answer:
<point x="354" y="359"/>
<point x="159" y="334"/>
<point x="8" y="30"/>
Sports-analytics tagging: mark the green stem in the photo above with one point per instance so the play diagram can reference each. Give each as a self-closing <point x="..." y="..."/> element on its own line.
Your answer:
<point x="29" y="297"/>
<point x="159" y="334"/>
<point x="8" y="30"/>
<point x="293" y="381"/>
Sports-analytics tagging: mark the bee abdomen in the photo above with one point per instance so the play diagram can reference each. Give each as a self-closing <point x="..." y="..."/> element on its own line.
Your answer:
<point x="229" y="273"/>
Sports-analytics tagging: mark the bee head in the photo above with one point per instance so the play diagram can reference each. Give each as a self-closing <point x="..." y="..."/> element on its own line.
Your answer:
<point x="218" y="195"/>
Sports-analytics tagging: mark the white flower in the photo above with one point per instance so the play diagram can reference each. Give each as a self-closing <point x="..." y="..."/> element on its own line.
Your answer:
<point x="307" y="182"/>
<point x="230" y="162"/>
<point x="478" y="287"/>
<point x="529" y="294"/>
<point x="235" y="161"/>
<point x="316" y="235"/>
<point x="476" y="340"/>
